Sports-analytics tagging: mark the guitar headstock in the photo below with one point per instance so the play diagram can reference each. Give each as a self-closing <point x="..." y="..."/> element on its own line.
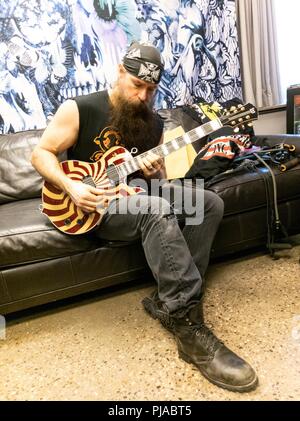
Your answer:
<point x="239" y="117"/>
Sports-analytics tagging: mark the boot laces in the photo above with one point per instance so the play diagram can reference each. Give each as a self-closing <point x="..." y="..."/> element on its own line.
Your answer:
<point x="208" y="339"/>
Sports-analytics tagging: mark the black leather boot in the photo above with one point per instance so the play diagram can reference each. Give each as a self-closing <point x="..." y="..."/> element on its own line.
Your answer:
<point x="199" y="346"/>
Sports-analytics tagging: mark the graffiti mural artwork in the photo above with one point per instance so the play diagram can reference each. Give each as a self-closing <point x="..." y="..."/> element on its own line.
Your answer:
<point x="52" y="50"/>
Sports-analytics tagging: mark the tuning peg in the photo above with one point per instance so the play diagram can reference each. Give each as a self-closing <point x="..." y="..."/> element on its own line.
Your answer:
<point x="236" y="130"/>
<point x="233" y="109"/>
<point x="233" y="123"/>
<point x="240" y="120"/>
<point x="240" y="106"/>
<point x="250" y="124"/>
<point x="248" y="117"/>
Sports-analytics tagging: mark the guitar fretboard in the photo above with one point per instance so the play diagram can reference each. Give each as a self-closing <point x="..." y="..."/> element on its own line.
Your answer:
<point x="132" y="165"/>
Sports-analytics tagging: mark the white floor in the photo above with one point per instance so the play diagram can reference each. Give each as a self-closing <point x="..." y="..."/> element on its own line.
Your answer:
<point x="104" y="346"/>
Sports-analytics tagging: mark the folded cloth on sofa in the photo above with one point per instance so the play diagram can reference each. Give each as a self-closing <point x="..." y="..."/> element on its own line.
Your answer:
<point x="217" y="156"/>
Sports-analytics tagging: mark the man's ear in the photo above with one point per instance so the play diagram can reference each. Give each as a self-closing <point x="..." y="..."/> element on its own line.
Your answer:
<point x="122" y="69"/>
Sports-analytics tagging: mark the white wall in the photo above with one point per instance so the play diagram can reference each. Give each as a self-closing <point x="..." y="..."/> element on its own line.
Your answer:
<point x="273" y="123"/>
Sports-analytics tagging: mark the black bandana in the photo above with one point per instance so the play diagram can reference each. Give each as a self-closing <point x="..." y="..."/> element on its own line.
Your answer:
<point x="144" y="62"/>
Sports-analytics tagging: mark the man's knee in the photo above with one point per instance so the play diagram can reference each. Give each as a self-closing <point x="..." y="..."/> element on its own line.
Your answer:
<point x="213" y="203"/>
<point x="154" y="205"/>
<point x="160" y="206"/>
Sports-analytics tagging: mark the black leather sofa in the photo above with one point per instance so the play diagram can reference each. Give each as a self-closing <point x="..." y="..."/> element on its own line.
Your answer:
<point x="39" y="264"/>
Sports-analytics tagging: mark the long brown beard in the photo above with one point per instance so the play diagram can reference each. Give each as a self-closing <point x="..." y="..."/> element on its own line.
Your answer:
<point x="135" y="122"/>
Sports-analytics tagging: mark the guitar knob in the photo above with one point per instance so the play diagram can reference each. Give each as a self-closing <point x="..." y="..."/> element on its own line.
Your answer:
<point x="67" y="221"/>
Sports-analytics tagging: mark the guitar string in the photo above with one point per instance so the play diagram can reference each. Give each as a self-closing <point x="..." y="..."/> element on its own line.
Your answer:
<point x="157" y="150"/>
<point x="169" y="146"/>
<point x="206" y="128"/>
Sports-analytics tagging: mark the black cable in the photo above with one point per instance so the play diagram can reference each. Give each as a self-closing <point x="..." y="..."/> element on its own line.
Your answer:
<point x="276" y="223"/>
<point x="269" y="213"/>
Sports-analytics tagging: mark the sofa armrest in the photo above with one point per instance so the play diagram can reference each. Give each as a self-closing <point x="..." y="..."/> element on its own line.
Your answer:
<point x="18" y="178"/>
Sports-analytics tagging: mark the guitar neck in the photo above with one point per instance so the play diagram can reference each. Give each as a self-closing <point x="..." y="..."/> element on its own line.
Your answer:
<point x="132" y="165"/>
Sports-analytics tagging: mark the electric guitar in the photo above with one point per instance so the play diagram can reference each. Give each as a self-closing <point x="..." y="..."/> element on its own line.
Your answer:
<point x="110" y="172"/>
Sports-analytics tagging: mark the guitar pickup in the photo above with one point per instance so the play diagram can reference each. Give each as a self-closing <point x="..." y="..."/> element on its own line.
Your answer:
<point x="87" y="179"/>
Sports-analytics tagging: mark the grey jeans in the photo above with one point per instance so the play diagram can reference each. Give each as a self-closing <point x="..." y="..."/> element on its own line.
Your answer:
<point x="177" y="254"/>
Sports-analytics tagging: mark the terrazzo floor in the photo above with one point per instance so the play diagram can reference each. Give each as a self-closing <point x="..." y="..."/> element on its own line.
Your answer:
<point x="103" y="346"/>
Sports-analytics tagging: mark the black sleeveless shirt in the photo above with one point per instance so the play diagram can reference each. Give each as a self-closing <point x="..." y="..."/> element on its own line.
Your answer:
<point x="95" y="135"/>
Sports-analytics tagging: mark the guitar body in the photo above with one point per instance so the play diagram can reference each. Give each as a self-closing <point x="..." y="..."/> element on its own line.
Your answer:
<point x="58" y="205"/>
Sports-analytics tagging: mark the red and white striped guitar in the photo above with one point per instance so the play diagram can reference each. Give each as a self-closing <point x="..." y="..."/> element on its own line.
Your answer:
<point x="110" y="172"/>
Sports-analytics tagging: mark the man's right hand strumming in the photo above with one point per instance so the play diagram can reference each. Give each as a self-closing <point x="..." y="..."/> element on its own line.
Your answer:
<point x="84" y="196"/>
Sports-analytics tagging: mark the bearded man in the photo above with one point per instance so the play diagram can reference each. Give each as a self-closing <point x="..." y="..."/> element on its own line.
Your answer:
<point x="178" y="257"/>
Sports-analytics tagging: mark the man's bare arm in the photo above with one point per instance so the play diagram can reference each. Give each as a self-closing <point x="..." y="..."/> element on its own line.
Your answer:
<point x="60" y="135"/>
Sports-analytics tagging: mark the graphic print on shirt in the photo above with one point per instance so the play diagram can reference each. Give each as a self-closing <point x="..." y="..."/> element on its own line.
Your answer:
<point x="108" y="138"/>
<point x="225" y="147"/>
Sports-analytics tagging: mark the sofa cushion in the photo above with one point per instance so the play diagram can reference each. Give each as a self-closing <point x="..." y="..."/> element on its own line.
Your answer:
<point x="18" y="179"/>
<point x="26" y="235"/>
<point x="246" y="191"/>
